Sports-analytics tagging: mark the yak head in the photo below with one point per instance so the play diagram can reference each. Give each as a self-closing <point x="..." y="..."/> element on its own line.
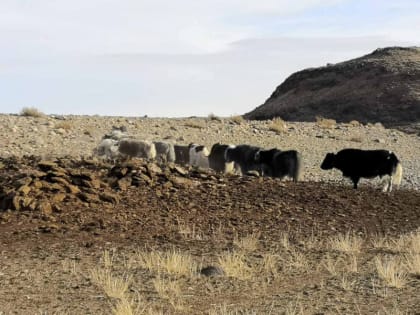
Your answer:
<point x="328" y="162"/>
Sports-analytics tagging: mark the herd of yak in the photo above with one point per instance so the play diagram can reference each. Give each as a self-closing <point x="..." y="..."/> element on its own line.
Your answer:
<point x="246" y="159"/>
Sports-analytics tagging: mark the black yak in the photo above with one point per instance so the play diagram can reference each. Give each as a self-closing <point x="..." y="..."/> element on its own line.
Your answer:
<point x="356" y="163"/>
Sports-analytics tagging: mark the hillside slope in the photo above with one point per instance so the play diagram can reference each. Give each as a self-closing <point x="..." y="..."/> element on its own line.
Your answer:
<point x="383" y="86"/>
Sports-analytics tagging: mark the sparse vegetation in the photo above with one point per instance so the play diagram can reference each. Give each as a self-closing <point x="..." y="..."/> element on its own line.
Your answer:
<point x="237" y="119"/>
<point x="31" y="112"/>
<point x="278" y="125"/>
<point x="66" y="125"/>
<point x="325" y="123"/>
<point x="391" y="271"/>
<point x="346" y="243"/>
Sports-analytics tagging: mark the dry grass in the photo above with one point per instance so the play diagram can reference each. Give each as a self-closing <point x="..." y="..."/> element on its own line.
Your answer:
<point x="285" y="240"/>
<point x="248" y="243"/>
<point x="234" y="265"/>
<point x="167" y="288"/>
<point x="297" y="260"/>
<point x="391" y="271"/>
<point x="330" y="265"/>
<point x="269" y="264"/>
<point x="412" y="262"/>
<point x="171" y="291"/>
<point x="325" y="123"/>
<point x="278" y="125"/>
<point x="346" y="283"/>
<point x="189" y="232"/>
<point x="172" y="262"/>
<point x="172" y="285"/>
<point x="114" y="287"/>
<point x="237" y="119"/>
<point x="125" y="306"/>
<point x="347" y="243"/>
<point x="352" y="264"/>
<point x="31" y="112"/>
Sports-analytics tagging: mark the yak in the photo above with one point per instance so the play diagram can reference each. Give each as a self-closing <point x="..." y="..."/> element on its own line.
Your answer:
<point x="356" y="163"/>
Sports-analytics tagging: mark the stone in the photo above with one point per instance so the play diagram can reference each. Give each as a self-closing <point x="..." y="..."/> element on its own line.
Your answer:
<point x="124" y="183"/>
<point x="59" y="197"/>
<point x="88" y="197"/>
<point x="25" y="189"/>
<point x="109" y="197"/>
<point x="72" y="189"/>
<point x="212" y="271"/>
<point x="16" y="203"/>
<point x="44" y="207"/>
<point x="47" y="165"/>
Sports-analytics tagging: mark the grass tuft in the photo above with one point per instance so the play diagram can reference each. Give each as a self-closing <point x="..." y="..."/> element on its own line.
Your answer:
<point x="31" y="112"/>
<point x="391" y="271"/>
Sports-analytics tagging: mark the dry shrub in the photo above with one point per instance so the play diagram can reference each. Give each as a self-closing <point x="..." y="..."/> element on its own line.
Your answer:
<point x="325" y="123"/>
<point x="278" y="125"/>
<point x="391" y="271"/>
<point x="237" y="119"/>
<point x="31" y="112"/>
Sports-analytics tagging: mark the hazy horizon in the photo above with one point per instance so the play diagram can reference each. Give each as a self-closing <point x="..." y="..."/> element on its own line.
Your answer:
<point x="180" y="59"/>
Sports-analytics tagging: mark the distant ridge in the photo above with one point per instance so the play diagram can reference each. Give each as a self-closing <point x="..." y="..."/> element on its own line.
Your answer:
<point x="383" y="86"/>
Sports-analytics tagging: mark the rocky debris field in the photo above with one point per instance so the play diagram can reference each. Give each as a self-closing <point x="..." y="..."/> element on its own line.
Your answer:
<point x="61" y="207"/>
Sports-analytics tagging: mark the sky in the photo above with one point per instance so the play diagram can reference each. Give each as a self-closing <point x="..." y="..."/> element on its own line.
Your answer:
<point x="180" y="58"/>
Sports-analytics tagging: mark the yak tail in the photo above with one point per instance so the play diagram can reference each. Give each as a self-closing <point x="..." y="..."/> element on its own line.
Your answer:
<point x="397" y="175"/>
<point x="298" y="168"/>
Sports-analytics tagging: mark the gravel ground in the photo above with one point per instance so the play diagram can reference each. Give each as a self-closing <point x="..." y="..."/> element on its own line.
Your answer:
<point x="77" y="136"/>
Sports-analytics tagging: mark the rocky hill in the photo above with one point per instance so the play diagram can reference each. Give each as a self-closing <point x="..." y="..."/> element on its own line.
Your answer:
<point x="383" y="86"/>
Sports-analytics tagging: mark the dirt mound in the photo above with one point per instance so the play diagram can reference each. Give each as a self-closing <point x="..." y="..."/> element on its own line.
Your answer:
<point x="383" y="86"/>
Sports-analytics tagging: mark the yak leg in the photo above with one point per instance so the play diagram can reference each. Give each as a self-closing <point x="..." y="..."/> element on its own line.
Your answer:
<point x="388" y="185"/>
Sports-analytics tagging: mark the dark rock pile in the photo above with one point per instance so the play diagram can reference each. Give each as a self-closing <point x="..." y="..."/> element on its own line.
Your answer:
<point x="32" y="184"/>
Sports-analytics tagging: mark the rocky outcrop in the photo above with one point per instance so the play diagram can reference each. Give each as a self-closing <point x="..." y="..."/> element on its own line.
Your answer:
<point x="383" y="86"/>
